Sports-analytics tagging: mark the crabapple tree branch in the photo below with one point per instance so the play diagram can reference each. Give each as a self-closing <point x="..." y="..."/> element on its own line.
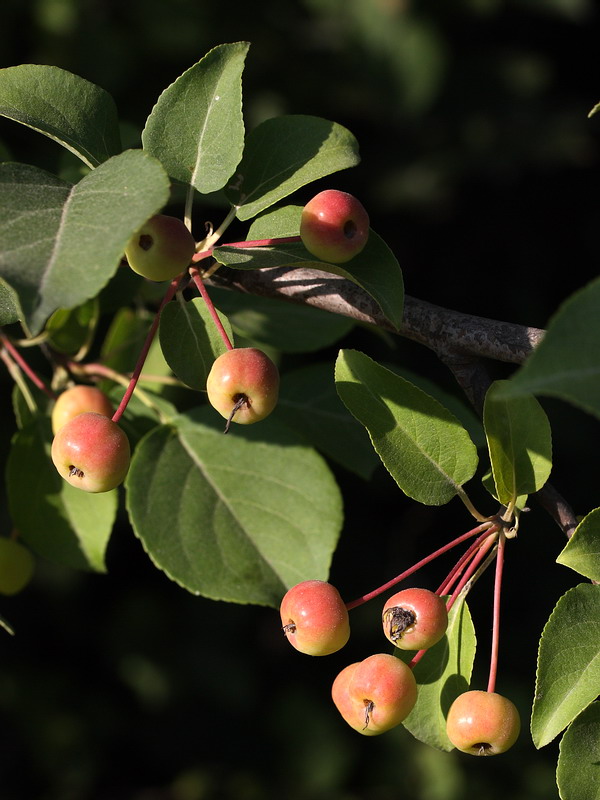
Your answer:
<point x="462" y="341"/>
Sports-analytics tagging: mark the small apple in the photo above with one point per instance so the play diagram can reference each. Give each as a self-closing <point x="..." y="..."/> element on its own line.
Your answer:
<point x="91" y="452"/>
<point x="334" y="226"/>
<point x="161" y="249"/>
<point x="414" y="619"/>
<point x="315" y="618"/>
<point x="243" y="385"/>
<point x="483" y="723"/>
<point x="16" y="566"/>
<point x="76" y="400"/>
<point x="375" y="694"/>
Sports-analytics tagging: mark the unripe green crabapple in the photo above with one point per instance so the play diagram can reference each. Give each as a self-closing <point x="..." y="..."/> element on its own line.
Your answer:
<point x="16" y="566"/>
<point x="314" y="618"/>
<point x="76" y="400"/>
<point x="91" y="452"/>
<point x="161" y="249"/>
<point x="483" y="723"/>
<point x="414" y="619"/>
<point x="243" y="385"/>
<point x="334" y="226"/>
<point x="375" y="694"/>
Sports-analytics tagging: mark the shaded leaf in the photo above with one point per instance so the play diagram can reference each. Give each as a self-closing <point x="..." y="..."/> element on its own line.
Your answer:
<point x="309" y="403"/>
<point x="422" y="445"/>
<point x="9" y="305"/>
<point x="566" y="363"/>
<point x="196" y="129"/>
<point x="74" y="112"/>
<point x="288" y="327"/>
<point x="578" y="771"/>
<point x="59" y="522"/>
<point x="238" y="517"/>
<point x="190" y="341"/>
<point x="284" y="154"/>
<point x="582" y="551"/>
<point x="568" y="674"/>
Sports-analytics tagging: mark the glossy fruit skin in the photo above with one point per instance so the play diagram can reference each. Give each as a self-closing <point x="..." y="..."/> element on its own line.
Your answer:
<point x="244" y="372"/>
<point x="483" y="723"/>
<point x="91" y="452"/>
<point x="375" y="694"/>
<point x="422" y="612"/>
<point x="314" y="618"/>
<point x="161" y="249"/>
<point x="334" y="226"/>
<point x="16" y="566"/>
<point x="76" y="400"/>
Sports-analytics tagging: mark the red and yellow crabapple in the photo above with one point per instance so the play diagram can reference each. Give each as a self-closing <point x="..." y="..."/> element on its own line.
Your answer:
<point x="375" y="694"/>
<point x="414" y="619"/>
<point x="315" y="618"/>
<point x="161" y="249"/>
<point x="334" y="226"/>
<point x="483" y="723"/>
<point x="243" y="385"/>
<point x="91" y="452"/>
<point x="76" y="400"/>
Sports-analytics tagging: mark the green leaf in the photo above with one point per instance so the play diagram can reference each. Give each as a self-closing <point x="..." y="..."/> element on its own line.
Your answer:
<point x="309" y="404"/>
<point x="442" y="674"/>
<point x="196" y="128"/>
<point x="375" y="269"/>
<point x="238" y="517"/>
<point x="578" y="770"/>
<point x="566" y="363"/>
<point x="60" y="244"/>
<point x="568" y="674"/>
<point x="59" y="522"/>
<point x="284" y="154"/>
<point x="288" y="327"/>
<point x="519" y="442"/>
<point x="582" y="551"/>
<point x="190" y="341"/>
<point x="74" y="112"/>
<point x="422" y="445"/>
<point x="122" y="345"/>
<point x="9" y="305"/>
<point x="276" y="222"/>
<point x="70" y="330"/>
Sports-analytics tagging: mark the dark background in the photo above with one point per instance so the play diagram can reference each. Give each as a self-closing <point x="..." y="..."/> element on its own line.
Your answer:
<point x="480" y="169"/>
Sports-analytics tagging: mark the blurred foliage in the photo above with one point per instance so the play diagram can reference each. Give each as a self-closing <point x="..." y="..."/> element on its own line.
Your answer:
<point x="480" y="169"/>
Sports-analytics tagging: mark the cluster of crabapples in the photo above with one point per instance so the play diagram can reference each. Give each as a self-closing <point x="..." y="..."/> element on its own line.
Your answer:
<point x="378" y="693"/>
<point x="90" y="450"/>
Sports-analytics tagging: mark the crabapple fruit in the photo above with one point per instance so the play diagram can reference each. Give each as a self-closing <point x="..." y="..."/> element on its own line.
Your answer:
<point x="376" y="694"/>
<point x="483" y="723"/>
<point x="161" y="249"/>
<point x="243" y="385"/>
<point x="75" y="401"/>
<point x="314" y="618"/>
<point x="91" y="452"/>
<point x="414" y="619"/>
<point x="334" y="226"/>
<point x="16" y="566"/>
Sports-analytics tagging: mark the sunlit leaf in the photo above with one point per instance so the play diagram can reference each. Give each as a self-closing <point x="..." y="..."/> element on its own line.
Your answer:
<point x="582" y="551"/>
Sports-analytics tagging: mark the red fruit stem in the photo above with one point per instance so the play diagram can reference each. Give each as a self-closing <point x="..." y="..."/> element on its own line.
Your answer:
<point x="144" y="351"/>
<point x="209" y="304"/>
<point x="264" y="242"/>
<point x="370" y="595"/>
<point x="416" y="658"/>
<point x="475" y="562"/>
<point x="457" y="569"/>
<point x="496" y="613"/>
<point x="24" y="366"/>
